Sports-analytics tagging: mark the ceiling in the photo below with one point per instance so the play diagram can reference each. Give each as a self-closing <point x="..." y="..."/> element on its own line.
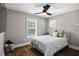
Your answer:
<point x="31" y="8"/>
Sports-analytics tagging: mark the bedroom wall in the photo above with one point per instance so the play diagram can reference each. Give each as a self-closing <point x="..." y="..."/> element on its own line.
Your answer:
<point x="16" y="26"/>
<point x="67" y="23"/>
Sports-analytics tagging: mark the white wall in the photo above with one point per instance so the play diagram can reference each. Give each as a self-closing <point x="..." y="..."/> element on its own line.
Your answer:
<point x="16" y="26"/>
<point x="1" y="43"/>
<point x="66" y="22"/>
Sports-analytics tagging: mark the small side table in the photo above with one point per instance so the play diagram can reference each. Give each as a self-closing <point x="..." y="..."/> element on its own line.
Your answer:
<point x="7" y="48"/>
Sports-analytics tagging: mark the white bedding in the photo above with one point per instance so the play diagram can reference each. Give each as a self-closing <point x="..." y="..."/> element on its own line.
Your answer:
<point x="49" y="44"/>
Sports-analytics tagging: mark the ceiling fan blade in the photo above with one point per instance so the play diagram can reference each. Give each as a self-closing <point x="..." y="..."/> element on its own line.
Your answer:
<point x="49" y="14"/>
<point x="38" y="13"/>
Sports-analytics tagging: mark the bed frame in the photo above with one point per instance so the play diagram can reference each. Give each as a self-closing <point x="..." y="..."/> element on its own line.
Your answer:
<point x="37" y="47"/>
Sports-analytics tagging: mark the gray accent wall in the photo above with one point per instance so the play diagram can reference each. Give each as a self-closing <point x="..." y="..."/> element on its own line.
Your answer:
<point x="67" y="23"/>
<point x="3" y="16"/>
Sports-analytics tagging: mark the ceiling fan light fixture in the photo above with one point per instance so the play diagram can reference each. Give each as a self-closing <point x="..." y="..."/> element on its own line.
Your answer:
<point x="44" y="14"/>
<point x="45" y="9"/>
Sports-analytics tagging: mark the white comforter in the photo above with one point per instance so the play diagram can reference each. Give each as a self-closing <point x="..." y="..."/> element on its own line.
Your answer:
<point x="49" y="44"/>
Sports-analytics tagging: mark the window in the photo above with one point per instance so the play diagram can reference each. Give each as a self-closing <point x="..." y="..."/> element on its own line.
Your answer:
<point x="31" y="27"/>
<point x="52" y="23"/>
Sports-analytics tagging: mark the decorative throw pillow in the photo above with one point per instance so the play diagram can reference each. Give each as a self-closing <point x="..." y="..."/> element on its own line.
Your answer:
<point x="60" y="34"/>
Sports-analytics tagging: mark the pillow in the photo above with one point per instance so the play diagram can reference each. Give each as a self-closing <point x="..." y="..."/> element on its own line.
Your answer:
<point x="51" y="34"/>
<point x="55" y="34"/>
<point x="60" y="33"/>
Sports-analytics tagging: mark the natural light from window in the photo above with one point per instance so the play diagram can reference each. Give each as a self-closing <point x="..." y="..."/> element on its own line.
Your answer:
<point x="52" y="23"/>
<point x="31" y="27"/>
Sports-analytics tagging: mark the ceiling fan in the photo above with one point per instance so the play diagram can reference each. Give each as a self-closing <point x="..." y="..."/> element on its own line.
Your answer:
<point x="45" y="9"/>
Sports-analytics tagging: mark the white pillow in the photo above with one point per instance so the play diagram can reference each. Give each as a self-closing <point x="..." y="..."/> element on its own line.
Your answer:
<point x="55" y="34"/>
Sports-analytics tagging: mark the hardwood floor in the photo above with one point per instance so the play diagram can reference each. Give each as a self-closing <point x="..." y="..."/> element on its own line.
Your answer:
<point x="67" y="52"/>
<point x="29" y="51"/>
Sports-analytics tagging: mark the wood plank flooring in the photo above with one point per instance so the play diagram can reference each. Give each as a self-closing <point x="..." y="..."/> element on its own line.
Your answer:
<point x="29" y="51"/>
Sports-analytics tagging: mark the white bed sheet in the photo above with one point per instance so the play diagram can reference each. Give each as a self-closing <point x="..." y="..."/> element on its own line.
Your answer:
<point x="49" y="44"/>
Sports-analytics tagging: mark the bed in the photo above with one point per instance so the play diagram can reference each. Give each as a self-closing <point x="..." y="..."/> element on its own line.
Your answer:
<point x="49" y="45"/>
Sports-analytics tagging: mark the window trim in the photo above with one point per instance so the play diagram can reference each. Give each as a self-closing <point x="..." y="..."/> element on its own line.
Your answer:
<point x="52" y="23"/>
<point x="35" y="27"/>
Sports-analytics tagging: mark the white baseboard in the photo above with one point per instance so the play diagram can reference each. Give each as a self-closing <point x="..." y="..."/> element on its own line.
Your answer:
<point x="74" y="47"/>
<point x="22" y="44"/>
